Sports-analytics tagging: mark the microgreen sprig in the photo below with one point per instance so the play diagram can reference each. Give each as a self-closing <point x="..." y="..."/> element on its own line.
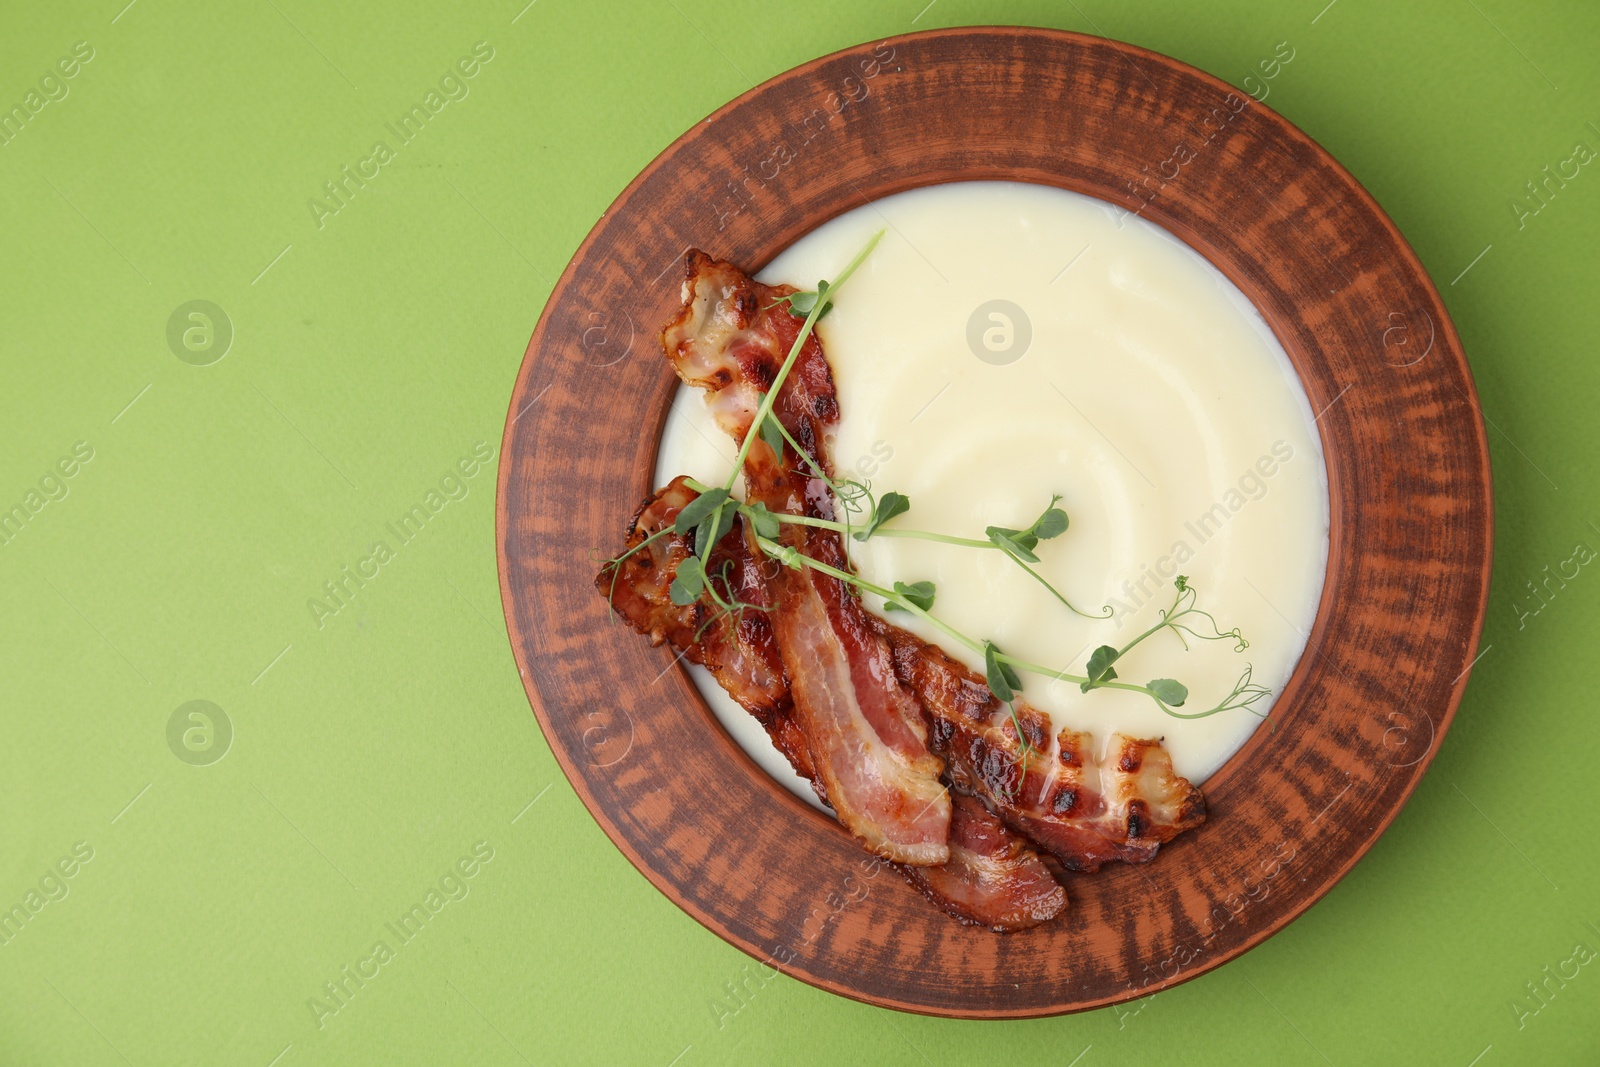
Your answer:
<point x="1017" y="545"/>
<point x="888" y="507"/>
<point x="819" y="305"/>
<point x="919" y="593"/>
<point x="709" y="517"/>
<point x="1002" y="677"/>
<point x="691" y="579"/>
<point x="801" y="303"/>
<point x="1181" y="618"/>
<point x="818" y="308"/>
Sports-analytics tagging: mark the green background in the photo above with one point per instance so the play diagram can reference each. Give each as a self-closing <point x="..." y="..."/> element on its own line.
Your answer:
<point x="372" y="752"/>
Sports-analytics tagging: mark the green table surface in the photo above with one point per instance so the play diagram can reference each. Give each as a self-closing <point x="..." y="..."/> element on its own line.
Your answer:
<point x="180" y="909"/>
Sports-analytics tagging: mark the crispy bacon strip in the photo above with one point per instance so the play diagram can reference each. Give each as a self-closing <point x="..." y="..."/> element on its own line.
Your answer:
<point x="866" y="735"/>
<point x="992" y="877"/>
<point x="738" y="649"/>
<point x="1084" y="812"/>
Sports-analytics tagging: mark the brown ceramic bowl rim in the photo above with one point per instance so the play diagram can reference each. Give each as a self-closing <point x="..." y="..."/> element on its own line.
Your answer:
<point x="1467" y="599"/>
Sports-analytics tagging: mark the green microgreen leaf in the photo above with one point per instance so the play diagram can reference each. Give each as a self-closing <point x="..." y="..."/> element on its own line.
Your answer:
<point x="1099" y="669"/>
<point x="1016" y="543"/>
<point x="801" y="303"/>
<point x="919" y="593"/>
<point x="689" y="582"/>
<point x="765" y="522"/>
<point x="1003" y="681"/>
<point x="698" y="508"/>
<point x="1021" y="543"/>
<point x="713" y="528"/>
<point x="1170" y="692"/>
<point x="772" y="432"/>
<point x="889" y="505"/>
<point x="1053" y="523"/>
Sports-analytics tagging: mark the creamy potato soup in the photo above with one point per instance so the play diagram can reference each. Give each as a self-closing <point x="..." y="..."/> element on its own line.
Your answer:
<point x="1006" y="343"/>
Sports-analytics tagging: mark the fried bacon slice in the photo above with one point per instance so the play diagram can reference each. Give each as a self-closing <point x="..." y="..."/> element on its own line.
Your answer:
<point x="1084" y="811"/>
<point x="991" y="878"/>
<point x="865" y="733"/>
<point x="737" y="647"/>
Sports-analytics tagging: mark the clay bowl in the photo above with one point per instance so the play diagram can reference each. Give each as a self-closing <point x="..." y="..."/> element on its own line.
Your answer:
<point x="1408" y="472"/>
